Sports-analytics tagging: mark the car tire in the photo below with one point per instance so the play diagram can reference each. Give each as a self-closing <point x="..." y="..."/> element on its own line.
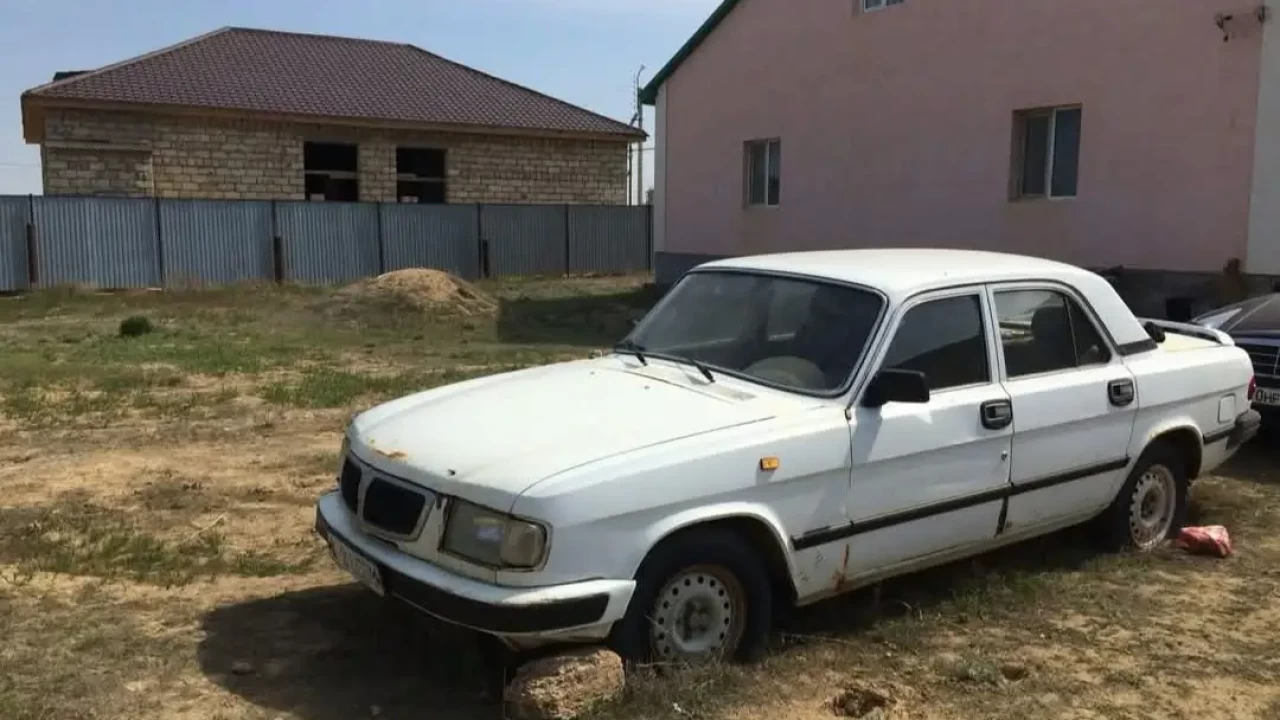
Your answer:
<point x="1152" y="504"/>
<point x="698" y="588"/>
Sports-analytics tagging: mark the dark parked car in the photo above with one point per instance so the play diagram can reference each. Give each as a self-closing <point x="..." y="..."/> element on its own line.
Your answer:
<point x="1254" y="324"/>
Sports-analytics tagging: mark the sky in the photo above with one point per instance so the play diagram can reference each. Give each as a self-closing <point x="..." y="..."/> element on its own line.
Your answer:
<point x="586" y="52"/>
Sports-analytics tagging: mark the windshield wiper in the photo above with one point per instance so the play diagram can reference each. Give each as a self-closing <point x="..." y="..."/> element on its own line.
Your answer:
<point x="703" y="369"/>
<point x="632" y="348"/>
<point x="706" y="373"/>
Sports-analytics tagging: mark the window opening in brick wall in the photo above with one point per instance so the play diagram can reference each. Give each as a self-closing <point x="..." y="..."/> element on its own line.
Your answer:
<point x="420" y="175"/>
<point x="1046" y="153"/>
<point x="330" y="171"/>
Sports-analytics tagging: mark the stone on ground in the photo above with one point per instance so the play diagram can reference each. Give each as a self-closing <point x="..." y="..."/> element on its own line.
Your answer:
<point x="564" y="686"/>
<point x="879" y="701"/>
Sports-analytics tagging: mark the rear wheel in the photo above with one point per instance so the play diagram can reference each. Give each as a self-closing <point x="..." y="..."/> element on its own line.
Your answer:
<point x="700" y="596"/>
<point x="1152" y="505"/>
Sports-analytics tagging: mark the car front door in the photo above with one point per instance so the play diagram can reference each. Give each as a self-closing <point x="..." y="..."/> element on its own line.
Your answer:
<point x="1074" y="403"/>
<point x="931" y="477"/>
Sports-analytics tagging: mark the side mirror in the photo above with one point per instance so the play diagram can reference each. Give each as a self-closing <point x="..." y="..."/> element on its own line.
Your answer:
<point x="904" y="386"/>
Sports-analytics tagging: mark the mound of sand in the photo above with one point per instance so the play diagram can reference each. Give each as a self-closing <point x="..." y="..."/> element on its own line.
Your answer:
<point x="428" y="290"/>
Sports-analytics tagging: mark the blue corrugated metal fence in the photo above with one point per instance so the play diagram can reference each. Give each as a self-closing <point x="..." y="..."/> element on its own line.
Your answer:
<point x="142" y="242"/>
<point x="215" y="242"/>
<point x="103" y="242"/>
<point x="15" y="214"/>
<point x="432" y="236"/>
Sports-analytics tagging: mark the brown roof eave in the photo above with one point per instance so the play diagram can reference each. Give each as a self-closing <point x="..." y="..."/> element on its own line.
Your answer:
<point x="33" y="107"/>
<point x="32" y="120"/>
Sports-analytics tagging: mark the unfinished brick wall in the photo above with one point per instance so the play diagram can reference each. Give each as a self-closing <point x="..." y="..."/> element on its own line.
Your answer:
<point x="89" y="171"/>
<point x="126" y="154"/>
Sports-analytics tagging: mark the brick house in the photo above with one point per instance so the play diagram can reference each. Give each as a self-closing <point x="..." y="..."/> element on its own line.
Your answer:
<point x="254" y="114"/>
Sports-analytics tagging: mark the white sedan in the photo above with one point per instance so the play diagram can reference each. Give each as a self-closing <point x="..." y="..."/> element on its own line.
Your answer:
<point x="777" y="430"/>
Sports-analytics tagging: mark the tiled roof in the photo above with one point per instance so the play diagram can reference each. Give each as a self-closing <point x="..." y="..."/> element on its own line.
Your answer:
<point x="294" y="74"/>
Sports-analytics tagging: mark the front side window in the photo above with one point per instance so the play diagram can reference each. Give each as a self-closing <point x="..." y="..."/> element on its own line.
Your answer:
<point x="802" y="335"/>
<point x="1046" y="331"/>
<point x="1048" y="152"/>
<point x="764" y="173"/>
<point x="944" y="340"/>
<point x="877" y="4"/>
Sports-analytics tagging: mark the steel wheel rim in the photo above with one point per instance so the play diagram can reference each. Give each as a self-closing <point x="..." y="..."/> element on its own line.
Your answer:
<point x="1151" y="508"/>
<point x="698" y="616"/>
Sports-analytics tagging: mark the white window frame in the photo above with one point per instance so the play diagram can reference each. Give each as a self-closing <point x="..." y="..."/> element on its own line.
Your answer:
<point x="747" y="148"/>
<point x="874" y="5"/>
<point x="1052" y="113"/>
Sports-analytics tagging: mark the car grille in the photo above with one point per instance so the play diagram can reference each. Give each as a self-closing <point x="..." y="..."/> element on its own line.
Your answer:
<point x="392" y="508"/>
<point x="349" y="484"/>
<point x="386" y="506"/>
<point x="1266" y="362"/>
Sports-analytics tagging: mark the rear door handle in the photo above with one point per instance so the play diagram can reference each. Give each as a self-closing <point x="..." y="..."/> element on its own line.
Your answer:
<point x="996" y="414"/>
<point x="1121" y="392"/>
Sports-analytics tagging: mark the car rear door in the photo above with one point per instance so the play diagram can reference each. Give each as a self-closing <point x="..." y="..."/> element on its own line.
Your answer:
<point x="1074" y="404"/>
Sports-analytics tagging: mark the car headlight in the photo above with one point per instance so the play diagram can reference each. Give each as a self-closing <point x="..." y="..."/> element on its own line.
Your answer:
<point x="491" y="538"/>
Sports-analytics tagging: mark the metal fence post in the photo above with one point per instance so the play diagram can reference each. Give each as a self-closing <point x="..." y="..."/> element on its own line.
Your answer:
<point x="160" y="268"/>
<point x="566" y="240"/>
<point x="277" y="247"/>
<point x="482" y="247"/>
<point x="33" y="267"/>
<point x="382" y="243"/>
<point x="648" y="237"/>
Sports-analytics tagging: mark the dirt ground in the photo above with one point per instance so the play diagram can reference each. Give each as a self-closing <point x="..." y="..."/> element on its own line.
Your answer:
<point x="157" y="557"/>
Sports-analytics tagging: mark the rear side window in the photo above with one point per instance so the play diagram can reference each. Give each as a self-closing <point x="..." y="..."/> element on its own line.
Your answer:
<point x="1046" y="331"/>
<point x="944" y="340"/>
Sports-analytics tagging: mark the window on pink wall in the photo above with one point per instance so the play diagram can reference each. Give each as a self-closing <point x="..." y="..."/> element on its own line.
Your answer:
<point x="1046" y="161"/>
<point x="764" y="173"/>
<point x="879" y="4"/>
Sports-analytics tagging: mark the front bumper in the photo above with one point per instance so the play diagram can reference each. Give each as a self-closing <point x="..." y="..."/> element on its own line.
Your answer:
<point x="583" y="611"/>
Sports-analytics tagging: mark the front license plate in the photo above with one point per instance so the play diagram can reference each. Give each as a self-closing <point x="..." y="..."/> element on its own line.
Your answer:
<point x="360" y="567"/>
<point x="1263" y="396"/>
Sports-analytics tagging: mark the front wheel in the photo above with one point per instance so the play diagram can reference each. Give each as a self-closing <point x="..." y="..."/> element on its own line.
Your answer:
<point x="700" y="596"/>
<point x="1152" y="505"/>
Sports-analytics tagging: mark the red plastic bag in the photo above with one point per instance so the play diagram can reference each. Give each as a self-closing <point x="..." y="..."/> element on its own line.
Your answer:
<point x="1211" y="540"/>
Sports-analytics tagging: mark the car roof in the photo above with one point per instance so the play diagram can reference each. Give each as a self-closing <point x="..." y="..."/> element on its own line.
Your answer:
<point x="899" y="271"/>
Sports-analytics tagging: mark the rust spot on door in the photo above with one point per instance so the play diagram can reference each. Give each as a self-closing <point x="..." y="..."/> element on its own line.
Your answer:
<point x="841" y="576"/>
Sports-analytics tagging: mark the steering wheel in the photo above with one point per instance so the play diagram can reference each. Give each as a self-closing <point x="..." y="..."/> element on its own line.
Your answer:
<point x="788" y="370"/>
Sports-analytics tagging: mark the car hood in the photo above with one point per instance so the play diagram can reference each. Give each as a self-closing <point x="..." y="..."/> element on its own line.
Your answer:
<point x="490" y="439"/>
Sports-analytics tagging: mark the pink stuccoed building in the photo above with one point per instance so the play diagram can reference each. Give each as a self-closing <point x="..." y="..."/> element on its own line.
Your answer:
<point x="1134" y="133"/>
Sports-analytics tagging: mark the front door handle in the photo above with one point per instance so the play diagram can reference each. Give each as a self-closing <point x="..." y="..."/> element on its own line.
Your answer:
<point x="1120" y="392"/>
<point x="996" y="414"/>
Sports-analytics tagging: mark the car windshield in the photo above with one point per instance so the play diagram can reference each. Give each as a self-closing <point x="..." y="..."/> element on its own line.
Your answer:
<point x="798" y="334"/>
